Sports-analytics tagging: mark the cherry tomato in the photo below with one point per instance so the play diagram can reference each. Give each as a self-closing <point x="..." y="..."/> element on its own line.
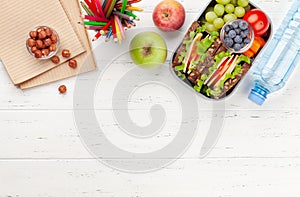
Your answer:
<point x="258" y="20"/>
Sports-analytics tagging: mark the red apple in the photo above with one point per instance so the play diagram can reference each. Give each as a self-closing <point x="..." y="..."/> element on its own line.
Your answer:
<point x="168" y="15"/>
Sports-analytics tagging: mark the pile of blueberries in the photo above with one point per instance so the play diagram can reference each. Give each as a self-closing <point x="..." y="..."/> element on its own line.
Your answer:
<point x="236" y="35"/>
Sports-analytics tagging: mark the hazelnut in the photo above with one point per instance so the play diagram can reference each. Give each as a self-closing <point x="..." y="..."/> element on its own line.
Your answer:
<point x="45" y="52"/>
<point x="47" y="42"/>
<point x="39" y="44"/>
<point x="42" y="35"/>
<point x="48" y="32"/>
<point x="33" y="34"/>
<point x="52" y="47"/>
<point x="66" y="53"/>
<point x="34" y="49"/>
<point x="55" y="59"/>
<point x="73" y="63"/>
<point x="38" y="54"/>
<point x="31" y="42"/>
<point x="62" y="89"/>
<point x="40" y="29"/>
<point x="54" y="38"/>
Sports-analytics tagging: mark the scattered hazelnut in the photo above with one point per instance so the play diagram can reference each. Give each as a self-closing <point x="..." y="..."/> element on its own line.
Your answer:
<point x="48" y="32"/>
<point x="33" y="34"/>
<point x="54" y="38"/>
<point x="47" y="42"/>
<point x="73" y="63"/>
<point x="55" y="59"/>
<point x="38" y="54"/>
<point x="52" y="47"/>
<point x="39" y="44"/>
<point x="42" y="35"/>
<point x="66" y="53"/>
<point x="45" y="52"/>
<point x="34" y="49"/>
<point x="31" y="42"/>
<point x="62" y="89"/>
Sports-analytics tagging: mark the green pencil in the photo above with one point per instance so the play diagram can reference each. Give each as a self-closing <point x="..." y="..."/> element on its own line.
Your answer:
<point x="110" y="9"/>
<point x="86" y="8"/>
<point x="95" y="23"/>
<point x="124" y="4"/>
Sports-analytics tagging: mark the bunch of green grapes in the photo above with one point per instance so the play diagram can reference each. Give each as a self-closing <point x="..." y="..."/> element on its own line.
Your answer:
<point x="224" y="11"/>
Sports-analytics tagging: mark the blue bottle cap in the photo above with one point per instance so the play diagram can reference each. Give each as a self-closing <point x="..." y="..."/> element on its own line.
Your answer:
<point x="258" y="95"/>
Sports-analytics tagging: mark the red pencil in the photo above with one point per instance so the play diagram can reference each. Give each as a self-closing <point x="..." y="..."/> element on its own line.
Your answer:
<point x="92" y="6"/>
<point x="99" y="8"/>
<point x="108" y="2"/>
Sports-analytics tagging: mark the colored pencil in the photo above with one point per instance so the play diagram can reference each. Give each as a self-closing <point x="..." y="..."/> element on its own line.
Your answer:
<point x="109" y="34"/>
<point x="94" y="23"/>
<point x="110" y="9"/>
<point x="105" y="27"/>
<point x="119" y="3"/>
<point x="118" y="32"/>
<point x="124" y="4"/>
<point x="86" y="8"/>
<point x="99" y="8"/>
<point x="104" y="4"/>
<point x="92" y="6"/>
<point x="120" y="26"/>
<point x="94" y="18"/>
<point x="107" y="4"/>
<point x="124" y="16"/>
<point x="131" y="8"/>
<point x="113" y="24"/>
<point x="97" y="28"/>
<point x="132" y="14"/>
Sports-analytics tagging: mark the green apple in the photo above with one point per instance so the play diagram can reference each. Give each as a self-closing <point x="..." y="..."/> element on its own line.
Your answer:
<point x="148" y="50"/>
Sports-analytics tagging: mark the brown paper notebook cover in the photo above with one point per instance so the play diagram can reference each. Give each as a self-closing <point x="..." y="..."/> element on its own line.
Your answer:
<point x="19" y="17"/>
<point x="85" y="60"/>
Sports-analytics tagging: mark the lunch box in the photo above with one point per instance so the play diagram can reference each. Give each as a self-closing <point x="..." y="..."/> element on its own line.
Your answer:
<point x="185" y="78"/>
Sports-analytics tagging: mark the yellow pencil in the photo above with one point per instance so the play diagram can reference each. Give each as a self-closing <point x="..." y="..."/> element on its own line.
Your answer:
<point x="131" y="8"/>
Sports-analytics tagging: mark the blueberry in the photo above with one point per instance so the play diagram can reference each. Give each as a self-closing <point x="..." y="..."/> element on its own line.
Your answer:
<point x="243" y="25"/>
<point x="228" y="42"/>
<point x="238" y="39"/>
<point x="243" y="34"/>
<point x="237" y="47"/>
<point x="238" y="31"/>
<point x="235" y="24"/>
<point x="247" y="40"/>
<point x="232" y="34"/>
<point x="227" y="28"/>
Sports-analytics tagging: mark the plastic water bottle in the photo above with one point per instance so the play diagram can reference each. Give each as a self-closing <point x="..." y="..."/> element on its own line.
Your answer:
<point x="278" y="58"/>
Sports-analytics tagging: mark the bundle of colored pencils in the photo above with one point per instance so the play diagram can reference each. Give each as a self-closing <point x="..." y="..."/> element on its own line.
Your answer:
<point x="109" y="18"/>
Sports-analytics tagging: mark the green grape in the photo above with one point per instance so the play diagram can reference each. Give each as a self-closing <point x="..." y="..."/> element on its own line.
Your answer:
<point x="218" y="23"/>
<point x="210" y="16"/>
<point x="239" y="11"/>
<point x="229" y="8"/>
<point x="243" y="3"/>
<point x="210" y="27"/>
<point x="247" y="8"/>
<point x="209" y="9"/>
<point x="229" y="17"/>
<point x="233" y="2"/>
<point x="219" y="9"/>
<point x="223" y="2"/>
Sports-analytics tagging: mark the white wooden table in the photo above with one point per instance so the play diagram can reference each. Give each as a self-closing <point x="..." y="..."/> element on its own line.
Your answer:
<point x="42" y="154"/>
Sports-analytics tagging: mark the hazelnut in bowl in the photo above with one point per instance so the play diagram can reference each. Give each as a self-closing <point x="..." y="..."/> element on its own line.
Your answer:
<point x="42" y="42"/>
<point x="237" y="35"/>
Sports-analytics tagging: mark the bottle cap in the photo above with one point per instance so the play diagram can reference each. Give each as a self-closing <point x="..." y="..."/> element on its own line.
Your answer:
<point x="258" y="95"/>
